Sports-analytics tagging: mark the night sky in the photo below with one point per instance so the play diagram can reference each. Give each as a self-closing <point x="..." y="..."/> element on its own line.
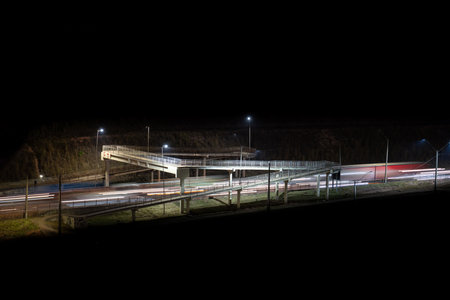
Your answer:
<point x="285" y="68"/>
<point x="282" y="73"/>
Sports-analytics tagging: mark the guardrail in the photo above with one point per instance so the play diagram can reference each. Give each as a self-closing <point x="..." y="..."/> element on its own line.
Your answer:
<point x="111" y="205"/>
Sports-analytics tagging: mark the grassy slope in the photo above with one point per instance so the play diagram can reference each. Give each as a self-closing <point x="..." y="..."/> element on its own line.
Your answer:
<point x="10" y="229"/>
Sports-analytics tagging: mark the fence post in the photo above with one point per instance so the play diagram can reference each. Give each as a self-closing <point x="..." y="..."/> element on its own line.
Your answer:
<point x="59" y="207"/>
<point x="238" y="200"/>
<point x="286" y="191"/>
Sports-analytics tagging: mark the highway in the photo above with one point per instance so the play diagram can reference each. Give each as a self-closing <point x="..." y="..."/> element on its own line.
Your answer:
<point x="79" y="195"/>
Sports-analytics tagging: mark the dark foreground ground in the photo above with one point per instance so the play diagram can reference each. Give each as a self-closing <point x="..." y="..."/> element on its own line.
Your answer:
<point x="389" y="236"/>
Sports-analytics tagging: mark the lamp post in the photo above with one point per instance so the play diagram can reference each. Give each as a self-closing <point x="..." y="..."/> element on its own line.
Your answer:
<point x="164" y="190"/>
<point x="268" y="190"/>
<point x="100" y="130"/>
<point x="148" y="138"/>
<point x="240" y="159"/>
<point x="387" y="157"/>
<point x="249" y="119"/>
<point x="437" y="160"/>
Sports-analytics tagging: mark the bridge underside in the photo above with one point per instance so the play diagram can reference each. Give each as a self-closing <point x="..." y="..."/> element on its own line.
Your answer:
<point x="144" y="164"/>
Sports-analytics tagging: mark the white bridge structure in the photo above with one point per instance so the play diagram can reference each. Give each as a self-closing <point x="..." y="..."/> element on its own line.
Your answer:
<point x="280" y="171"/>
<point x="181" y="167"/>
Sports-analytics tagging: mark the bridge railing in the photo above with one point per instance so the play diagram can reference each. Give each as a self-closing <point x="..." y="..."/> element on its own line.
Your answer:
<point x="167" y="160"/>
<point x="125" y="150"/>
<point x="275" y="164"/>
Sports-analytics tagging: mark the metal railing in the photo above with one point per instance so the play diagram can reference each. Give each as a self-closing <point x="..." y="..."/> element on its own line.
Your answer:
<point x="127" y="151"/>
<point x="108" y="205"/>
<point x="236" y="164"/>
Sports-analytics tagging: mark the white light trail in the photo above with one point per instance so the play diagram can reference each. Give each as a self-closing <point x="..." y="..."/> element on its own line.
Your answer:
<point x="422" y="170"/>
<point x="424" y="175"/>
<point x="31" y="197"/>
<point x="9" y="209"/>
<point x="92" y="200"/>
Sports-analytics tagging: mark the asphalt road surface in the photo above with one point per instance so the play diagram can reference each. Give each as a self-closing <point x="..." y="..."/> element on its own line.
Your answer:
<point x="87" y="195"/>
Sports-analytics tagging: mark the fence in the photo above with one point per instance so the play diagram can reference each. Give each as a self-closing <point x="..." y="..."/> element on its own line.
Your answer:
<point x="190" y="191"/>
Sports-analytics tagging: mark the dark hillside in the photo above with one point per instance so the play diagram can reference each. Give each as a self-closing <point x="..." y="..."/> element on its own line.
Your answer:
<point x="70" y="147"/>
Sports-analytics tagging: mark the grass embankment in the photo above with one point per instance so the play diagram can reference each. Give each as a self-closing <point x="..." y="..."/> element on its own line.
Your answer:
<point x="205" y="206"/>
<point x="32" y="227"/>
<point x="11" y="229"/>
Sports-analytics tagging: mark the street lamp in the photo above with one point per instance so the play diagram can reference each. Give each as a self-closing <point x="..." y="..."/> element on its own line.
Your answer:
<point x="148" y="138"/>
<point x="268" y="190"/>
<point x="240" y="160"/>
<point x="437" y="159"/>
<point x="165" y="146"/>
<point x="387" y="157"/>
<point x="100" y="130"/>
<point x="249" y="119"/>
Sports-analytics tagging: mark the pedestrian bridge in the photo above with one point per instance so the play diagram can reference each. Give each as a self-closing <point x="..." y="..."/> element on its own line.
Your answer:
<point x="281" y="171"/>
<point x="178" y="166"/>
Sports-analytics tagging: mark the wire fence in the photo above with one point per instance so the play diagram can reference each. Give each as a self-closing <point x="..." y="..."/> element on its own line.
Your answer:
<point x="173" y="194"/>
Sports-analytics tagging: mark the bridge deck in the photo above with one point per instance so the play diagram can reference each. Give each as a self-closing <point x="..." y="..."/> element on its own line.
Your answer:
<point x="171" y="164"/>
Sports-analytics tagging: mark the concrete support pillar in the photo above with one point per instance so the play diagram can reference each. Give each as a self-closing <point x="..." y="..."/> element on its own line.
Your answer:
<point x="159" y="175"/>
<point x="327" y="186"/>
<point x="230" y="184"/>
<point x="182" y="185"/>
<point x="151" y="176"/>
<point x="107" y="168"/>
<point x="182" y="174"/>
<point x="188" y="205"/>
<point x="318" y="186"/>
<point x="196" y="172"/>
<point x="204" y="163"/>
<point x="182" y="206"/>
<point x="238" y="200"/>
<point x="276" y="190"/>
<point x="286" y="191"/>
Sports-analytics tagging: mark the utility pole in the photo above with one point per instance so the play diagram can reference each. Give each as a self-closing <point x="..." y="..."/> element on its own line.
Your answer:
<point x="240" y="165"/>
<point x="249" y="119"/>
<point x="437" y="160"/>
<point x="340" y="155"/>
<point x="164" y="176"/>
<point x="436" y="170"/>
<point x="148" y="149"/>
<point x="100" y="130"/>
<point x="26" y="200"/>
<point x="387" y="157"/>
<point x="268" y="190"/>
<point x="148" y="138"/>
<point x="59" y="208"/>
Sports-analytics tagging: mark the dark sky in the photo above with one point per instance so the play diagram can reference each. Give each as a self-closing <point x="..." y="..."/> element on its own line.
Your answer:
<point x="282" y="71"/>
<point x="284" y="67"/>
